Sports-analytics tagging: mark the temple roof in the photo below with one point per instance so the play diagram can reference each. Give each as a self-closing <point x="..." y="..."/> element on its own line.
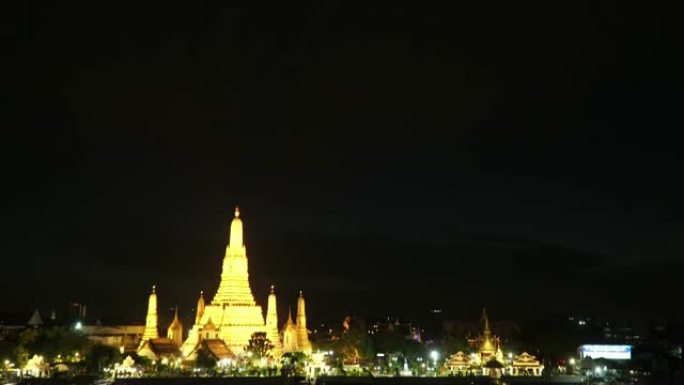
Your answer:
<point x="35" y="320"/>
<point x="163" y="347"/>
<point x="459" y="359"/>
<point x="217" y="348"/>
<point x="526" y="359"/>
<point x="209" y="326"/>
<point x="487" y="346"/>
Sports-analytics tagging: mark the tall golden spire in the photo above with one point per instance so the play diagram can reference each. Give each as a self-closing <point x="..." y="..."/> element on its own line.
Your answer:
<point x="302" y="333"/>
<point x="486" y="345"/>
<point x="200" y="308"/>
<point x="175" y="330"/>
<point x="272" y="323"/>
<point x="151" y="330"/>
<point x="233" y="309"/>
<point x="289" y="316"/>
<point x="234" y="288"/>
<point x="289" y="334"/>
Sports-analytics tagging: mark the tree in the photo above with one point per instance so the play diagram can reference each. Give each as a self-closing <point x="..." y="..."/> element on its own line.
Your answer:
<point x="205" y="360"/>
<point x="51" y="343"/>
<point x="389" y="342"/>
<point x="355" y="346"/>
<point x="99" y="357"/>
<point x="292" y="363"/>
<point x="452" y="345"/>
<point x="259" y="346"/>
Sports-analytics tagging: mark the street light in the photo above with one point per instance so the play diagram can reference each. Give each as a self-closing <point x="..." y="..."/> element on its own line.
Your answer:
<point x="435" y="356"/>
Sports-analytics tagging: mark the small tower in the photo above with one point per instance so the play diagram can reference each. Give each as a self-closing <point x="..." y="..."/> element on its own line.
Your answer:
<point x="272" y="324"/>
<point x="200" y="308"/>
<point x="289" y="335"/>
<point x="175" y="331"/>
<point x="151" y="331"/>
<point x="302" y="333"/>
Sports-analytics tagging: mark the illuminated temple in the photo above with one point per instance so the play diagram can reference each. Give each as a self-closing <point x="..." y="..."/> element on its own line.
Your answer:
<point x="488" y="359"/>
<point x="227" y="323"/>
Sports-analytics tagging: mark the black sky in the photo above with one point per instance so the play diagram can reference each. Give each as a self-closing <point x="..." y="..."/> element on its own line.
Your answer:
<point x="388" y="158"/>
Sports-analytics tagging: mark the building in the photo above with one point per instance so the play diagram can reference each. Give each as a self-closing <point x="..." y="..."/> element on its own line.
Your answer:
<point x="232" y="316"/>
<point x="272" y="333"/>
<point x="526" y="364"/>
<point x="487" y="358"/>
<point x="296" y="334"/>
<point x="175" y="330"/>
<point x="151" y="346"/>
<point x="126" y="338"/>
<point x="458" y="364"/>
<point x="488" y="345"/>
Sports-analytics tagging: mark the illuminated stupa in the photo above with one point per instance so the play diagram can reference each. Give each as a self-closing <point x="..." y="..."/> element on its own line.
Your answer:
<point x="151" y="329"/>
<point x="233" y="311"/>
<point x="272" y="325"/>
<point x="175" y="330"/>
<point x="296" y="335"/>
<point x="490" y="346"/>
<point x="303" y="343"/>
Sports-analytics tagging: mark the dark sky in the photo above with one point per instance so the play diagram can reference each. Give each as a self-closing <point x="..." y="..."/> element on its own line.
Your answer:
<point x="388" y="158"/>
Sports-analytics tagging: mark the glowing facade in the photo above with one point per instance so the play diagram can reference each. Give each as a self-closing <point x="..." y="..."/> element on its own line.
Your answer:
<point x="175" y="330"/>
<point x="489" y="346"/>
<point x="289" y="335"/>
<point x="272" y="324"/>
<point x="296" y="335"/>
<point x="233" y="315"/>
<point x="303" y="343"/>
<point x="151" y="327"/>
<point x="488" y="358"/>
<point x="233" y="311"/>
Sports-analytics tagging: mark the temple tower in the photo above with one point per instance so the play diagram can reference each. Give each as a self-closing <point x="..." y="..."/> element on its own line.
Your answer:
<point x="175" y="331"/>
<point x="272" y="324"/>
<point x="303" y="343"/>
<point x="200" y="307"/>
<point x="289" y="335"/>
<point x="233" y="310"/>
<point x="234" y="287"/>
<point x="151" y="331"/>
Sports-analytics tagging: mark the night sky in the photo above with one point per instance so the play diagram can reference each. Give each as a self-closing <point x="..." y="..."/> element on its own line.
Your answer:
<point x="387" y="159"/>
